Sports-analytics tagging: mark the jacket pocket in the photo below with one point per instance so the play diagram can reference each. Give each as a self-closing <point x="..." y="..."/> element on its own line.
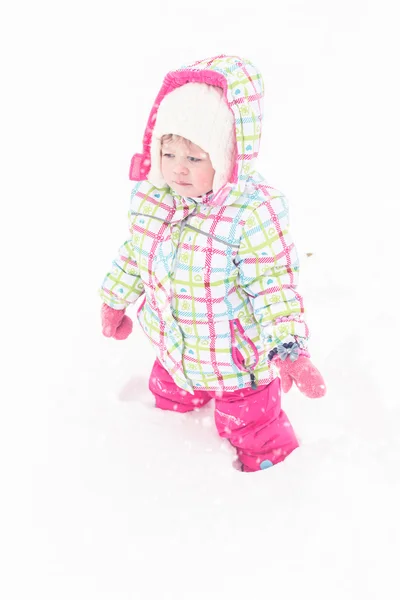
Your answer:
<point x="238" y="334"/>
<point x="139" y="310"/>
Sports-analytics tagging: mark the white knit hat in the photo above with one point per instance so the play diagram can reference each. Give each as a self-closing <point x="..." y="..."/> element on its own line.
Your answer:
<point x="199" y="113"/>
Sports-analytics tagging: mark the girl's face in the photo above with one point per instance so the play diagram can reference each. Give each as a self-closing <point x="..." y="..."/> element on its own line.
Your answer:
<point x="186" y="168"/>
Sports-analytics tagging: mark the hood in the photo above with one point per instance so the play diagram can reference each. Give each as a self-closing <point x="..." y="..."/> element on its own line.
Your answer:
<point x="243" y="89"/>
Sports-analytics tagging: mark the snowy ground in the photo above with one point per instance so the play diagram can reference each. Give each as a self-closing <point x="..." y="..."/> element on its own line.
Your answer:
<point x="105" y="498"/>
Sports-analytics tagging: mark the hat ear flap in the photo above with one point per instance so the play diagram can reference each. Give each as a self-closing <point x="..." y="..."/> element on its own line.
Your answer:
<point x="139" y="167"/>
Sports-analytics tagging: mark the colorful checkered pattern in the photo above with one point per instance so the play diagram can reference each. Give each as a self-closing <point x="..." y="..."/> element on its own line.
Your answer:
<point x="214" y="278"/>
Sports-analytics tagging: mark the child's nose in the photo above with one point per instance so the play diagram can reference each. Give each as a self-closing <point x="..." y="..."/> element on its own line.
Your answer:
<point x="180" y="168"/>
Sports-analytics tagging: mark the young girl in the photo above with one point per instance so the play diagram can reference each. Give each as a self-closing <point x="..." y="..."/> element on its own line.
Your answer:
<point x="212" y="258"/>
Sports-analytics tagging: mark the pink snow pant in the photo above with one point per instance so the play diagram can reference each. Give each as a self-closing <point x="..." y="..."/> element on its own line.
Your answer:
<point x="252" y="420"/>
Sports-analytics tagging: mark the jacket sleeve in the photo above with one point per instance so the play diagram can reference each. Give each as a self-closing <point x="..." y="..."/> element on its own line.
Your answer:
<point x="268" y="273"/>
<point x="122" y="285"/>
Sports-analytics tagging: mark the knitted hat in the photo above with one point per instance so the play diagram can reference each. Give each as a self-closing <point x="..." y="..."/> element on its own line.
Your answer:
<point x="199" y="113"/>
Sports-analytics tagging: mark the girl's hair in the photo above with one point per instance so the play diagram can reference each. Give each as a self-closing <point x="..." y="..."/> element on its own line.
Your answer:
<point x="172" y="137"/>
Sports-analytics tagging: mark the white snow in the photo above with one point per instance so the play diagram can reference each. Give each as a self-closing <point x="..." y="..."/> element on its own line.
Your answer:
<point x="104" y="497"/>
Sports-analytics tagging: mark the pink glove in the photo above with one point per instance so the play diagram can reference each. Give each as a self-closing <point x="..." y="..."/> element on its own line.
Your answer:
<point x="307" y="377"/>
<point x="115" y="323"/>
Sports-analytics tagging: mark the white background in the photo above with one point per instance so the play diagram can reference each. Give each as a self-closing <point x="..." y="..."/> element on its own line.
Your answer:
<point x="102" y="496"/>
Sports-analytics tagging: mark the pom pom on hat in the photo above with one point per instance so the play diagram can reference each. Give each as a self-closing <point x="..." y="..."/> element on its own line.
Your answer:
<point x="199" y="113"/>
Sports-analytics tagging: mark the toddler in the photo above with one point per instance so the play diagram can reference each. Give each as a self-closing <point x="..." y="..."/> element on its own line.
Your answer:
<point x="212" y="261"/>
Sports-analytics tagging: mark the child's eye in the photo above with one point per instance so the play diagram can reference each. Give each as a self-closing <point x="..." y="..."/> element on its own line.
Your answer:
<point x="193" y="159"/>
<point x="168" y="155"/>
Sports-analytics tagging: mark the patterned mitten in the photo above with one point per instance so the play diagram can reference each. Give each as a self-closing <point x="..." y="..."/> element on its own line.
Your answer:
<point x="115" y="323"/>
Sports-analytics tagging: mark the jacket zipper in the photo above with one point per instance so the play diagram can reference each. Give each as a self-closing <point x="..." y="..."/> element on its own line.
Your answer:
<point x="181" y="228"/>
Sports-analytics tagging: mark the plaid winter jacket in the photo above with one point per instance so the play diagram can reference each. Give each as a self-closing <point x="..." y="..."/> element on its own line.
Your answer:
<point x="217" y="274"/>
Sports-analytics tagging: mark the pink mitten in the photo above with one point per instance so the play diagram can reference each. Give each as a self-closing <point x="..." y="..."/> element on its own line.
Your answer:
<point x="115" y="323"/>
<point x="307" y="377"/>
